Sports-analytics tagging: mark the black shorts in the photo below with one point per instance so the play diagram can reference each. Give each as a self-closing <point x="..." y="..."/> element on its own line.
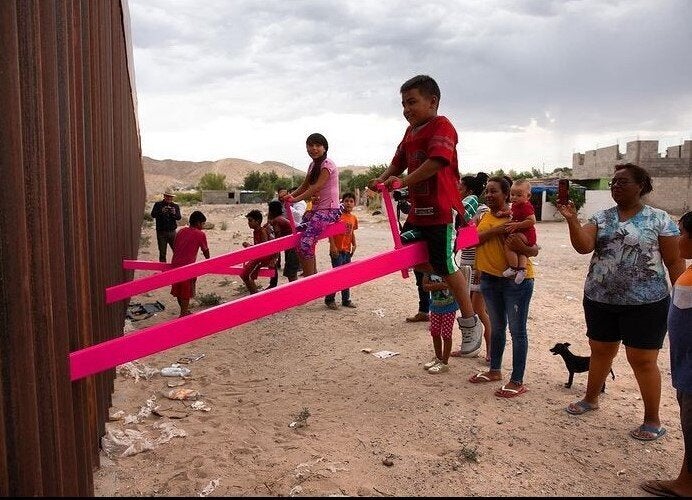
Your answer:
<point x="642" y="326"/>
<point x="292" y="264"/>
<point x="440" y="239"/>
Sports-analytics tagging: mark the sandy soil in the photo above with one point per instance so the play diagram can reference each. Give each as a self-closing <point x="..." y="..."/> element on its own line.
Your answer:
<point x="376" y="427"/>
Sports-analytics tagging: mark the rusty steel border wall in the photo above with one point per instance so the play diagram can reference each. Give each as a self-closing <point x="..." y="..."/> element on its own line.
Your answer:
<point x="72" y="199"/>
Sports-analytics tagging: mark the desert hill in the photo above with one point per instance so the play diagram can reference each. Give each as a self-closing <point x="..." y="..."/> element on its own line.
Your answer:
<point x="160" y="175"/>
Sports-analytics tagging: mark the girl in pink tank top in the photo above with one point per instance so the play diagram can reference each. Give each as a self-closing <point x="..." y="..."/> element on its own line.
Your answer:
<point x="321" y="186"/>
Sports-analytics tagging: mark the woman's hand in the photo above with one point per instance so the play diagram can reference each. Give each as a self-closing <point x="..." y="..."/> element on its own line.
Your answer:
<point x="516" y="243"/>
<point x="567" y="211"/>
<point x="511" y="227"/>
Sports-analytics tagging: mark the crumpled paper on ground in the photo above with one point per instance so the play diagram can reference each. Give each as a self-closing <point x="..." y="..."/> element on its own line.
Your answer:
<point x="127" y="442"/>
<point x="136" y="370"/>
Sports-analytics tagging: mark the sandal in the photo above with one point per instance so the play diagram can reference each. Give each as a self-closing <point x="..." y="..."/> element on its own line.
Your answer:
<point x="481" y="378"/>
<point x="647" y="432"/>
<point x="580" y="407"/>
<point x="508" y="392"/>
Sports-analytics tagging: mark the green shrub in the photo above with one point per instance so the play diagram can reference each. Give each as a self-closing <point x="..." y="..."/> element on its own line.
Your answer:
<point x="191" y="198"/>
<point x="209" y="299"/>
<point x="223" y="226"/>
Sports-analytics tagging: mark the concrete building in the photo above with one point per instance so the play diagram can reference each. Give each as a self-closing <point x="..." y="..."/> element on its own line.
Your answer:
<point x="671" y="174"/>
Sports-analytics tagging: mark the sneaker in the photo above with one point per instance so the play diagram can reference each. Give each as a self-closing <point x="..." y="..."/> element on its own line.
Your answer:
<point x="349" y="304"/>
<point x="439" y="368"/>
<point x="521" y="274"/>
<point x="332" y="305"/>
<point x="509" y="272"/>
<point x="431" y="363"/>
<point x="471" y="336"/>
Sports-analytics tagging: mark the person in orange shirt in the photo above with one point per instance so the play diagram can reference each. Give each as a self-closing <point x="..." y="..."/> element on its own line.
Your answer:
<point x="342" y="247"/>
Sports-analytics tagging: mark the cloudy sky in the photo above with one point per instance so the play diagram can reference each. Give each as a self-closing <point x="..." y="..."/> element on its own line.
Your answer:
<point x="526" y="82"/>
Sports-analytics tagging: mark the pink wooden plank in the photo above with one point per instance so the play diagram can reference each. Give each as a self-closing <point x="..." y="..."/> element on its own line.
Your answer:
<point x="209" y="266"/>
<point x="150" y="265"/>
<point x="100" y="357"/>
<point x="393" y="223"/>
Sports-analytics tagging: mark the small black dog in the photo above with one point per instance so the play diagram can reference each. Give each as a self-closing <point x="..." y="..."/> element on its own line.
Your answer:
<point x="574" y="363"/>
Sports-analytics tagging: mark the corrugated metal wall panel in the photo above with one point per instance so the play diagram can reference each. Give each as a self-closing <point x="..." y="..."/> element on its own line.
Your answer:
<point x="71" y="168"/>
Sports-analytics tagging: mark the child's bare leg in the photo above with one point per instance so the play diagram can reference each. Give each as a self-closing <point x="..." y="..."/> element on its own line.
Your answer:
<point x="309" y="265"/>
<point x="457" y="284"/>
<point x="521" y="261"/>
<point x="512" y="257"/>
<point x="437" y="345"/>
<point x="184" y="307"/>
<point x="479" y="307"/>
<point x="446" y="349"/>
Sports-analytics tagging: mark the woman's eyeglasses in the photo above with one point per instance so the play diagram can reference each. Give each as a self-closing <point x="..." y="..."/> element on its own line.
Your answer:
<point x="620" y="182"/>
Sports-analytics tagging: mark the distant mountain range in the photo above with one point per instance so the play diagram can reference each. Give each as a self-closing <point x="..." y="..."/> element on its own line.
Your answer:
<point x="160" y="175"/>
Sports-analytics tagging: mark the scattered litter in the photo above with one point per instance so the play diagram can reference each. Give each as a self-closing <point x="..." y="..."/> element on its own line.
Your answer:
<point x="367" y="350"/>
<point x="168" y="432"/>
<point x="379" y="312"/>
<point x="125" y="443"/>
<point x="569" y="297"/>
<point x="169" y="412"/>
<point x="175" y="383"/>
<point x="620" y="472"/>
<point x="137" y="311"/>
<point x="200" y="405"/>
<point x="181" y="393"/>
<point x="136" y="370"/>
<point x="295" y="491"/>
<point x="190" y="359"/>
<point x="385" y="354"/>
<point x="175" y="370"/>
<point x="116" y="415"/>
<point x="210" y="487"/>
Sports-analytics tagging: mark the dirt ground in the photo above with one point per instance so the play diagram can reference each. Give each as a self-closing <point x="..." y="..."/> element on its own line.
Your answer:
<point x="373" y="427"/>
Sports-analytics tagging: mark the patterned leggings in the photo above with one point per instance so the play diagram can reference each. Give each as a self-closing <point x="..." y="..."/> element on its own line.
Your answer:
<point x="442" y="325"/>
<point x="315" y="221"/>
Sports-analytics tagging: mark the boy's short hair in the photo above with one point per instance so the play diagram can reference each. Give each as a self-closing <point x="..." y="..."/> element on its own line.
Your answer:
<point x="348" y="195"/>
<point x="196" y="217"/>
<point x="425" y="84"/>
<point x="275" y="208"/>
<point x="686" y="223"/>
<point x="255" y="215"/>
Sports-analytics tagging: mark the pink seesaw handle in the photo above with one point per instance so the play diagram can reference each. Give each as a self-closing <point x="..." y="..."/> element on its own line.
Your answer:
<point x="389" y="206"/>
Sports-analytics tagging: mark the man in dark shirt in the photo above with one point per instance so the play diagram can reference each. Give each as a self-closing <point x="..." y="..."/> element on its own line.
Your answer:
<point x="167" y="214"/>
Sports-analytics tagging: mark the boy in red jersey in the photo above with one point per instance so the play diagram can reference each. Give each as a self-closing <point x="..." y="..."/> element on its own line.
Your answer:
<point x="188" y="241"/>
<point x="428" y="153"/>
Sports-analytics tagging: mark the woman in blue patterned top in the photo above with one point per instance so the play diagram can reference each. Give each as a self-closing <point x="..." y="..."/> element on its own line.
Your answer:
<point x="626" y="293"/>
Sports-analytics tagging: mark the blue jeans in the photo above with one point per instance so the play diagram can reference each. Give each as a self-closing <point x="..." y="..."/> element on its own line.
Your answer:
<point x="341" y="259"/>
<point x="508" y="303"/>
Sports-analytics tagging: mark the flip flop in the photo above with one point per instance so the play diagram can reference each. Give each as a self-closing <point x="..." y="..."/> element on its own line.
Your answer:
<point x="481" y="378"/>
<point x="647" y="432"/>
<point x="506" y="392"/>
<point x="580" y="407"/>
<point x="657" y="488"/>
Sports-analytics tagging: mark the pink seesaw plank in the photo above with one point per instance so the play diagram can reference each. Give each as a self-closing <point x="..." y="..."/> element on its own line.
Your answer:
<point x="209" y="266"/>
<point x="100" y="357"/>
<point x="150" y="265"/>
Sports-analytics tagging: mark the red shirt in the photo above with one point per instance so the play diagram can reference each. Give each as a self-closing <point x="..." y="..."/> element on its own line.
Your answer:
<point x="188" y="241"/>
<point x="520" y="211"/>
<point x="281" y="226"/>
<point x="432" y="199"/>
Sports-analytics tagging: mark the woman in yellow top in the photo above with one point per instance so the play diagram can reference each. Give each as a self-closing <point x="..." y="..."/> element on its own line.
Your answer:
<point x="506" y="301"/>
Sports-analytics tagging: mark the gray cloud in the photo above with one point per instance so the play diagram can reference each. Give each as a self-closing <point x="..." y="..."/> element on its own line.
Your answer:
<point x="594" y="66"/>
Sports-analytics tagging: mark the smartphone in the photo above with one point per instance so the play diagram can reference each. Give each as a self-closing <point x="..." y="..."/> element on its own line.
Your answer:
<point x="563" y="192"/>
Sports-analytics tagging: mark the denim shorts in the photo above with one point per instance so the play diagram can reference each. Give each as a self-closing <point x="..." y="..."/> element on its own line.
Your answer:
<point x="641" y="326"/>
